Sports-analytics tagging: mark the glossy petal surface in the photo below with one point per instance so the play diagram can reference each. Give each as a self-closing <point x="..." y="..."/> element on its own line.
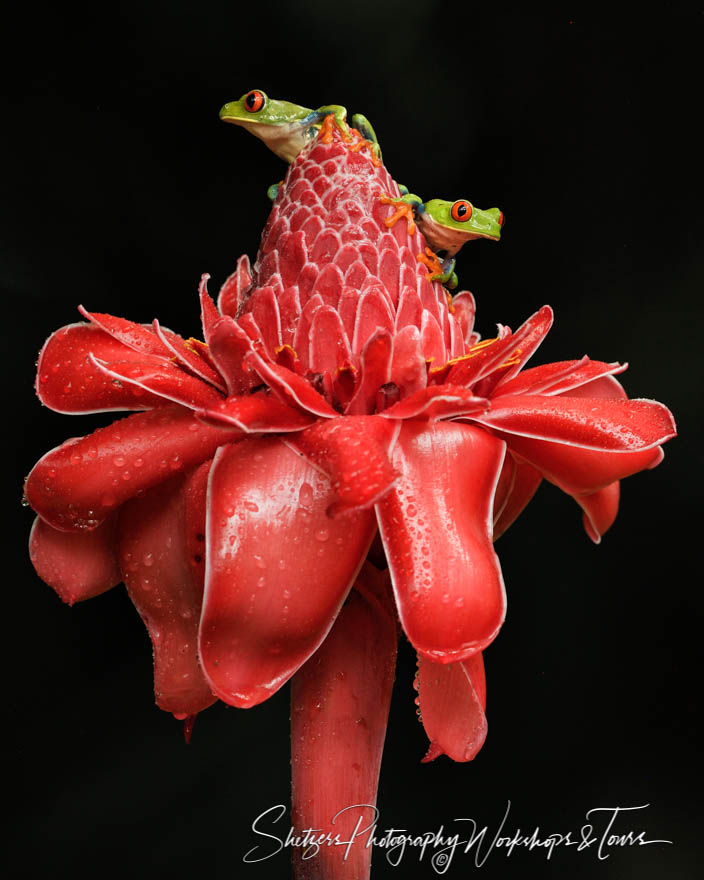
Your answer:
<point x="452" y="699"/>
<point x="78" y="565"/>
<point x="77" y="485"/>
<point x="278" y="567"/>
<point x="436" y="525"/>
<point x="159" y="579"/>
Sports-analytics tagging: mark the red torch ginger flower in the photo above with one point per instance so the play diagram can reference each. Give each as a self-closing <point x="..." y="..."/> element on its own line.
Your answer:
<point x="337" y="396"/>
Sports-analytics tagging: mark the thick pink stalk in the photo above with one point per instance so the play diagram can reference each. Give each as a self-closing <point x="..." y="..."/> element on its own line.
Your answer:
<point x="339" y="708"/>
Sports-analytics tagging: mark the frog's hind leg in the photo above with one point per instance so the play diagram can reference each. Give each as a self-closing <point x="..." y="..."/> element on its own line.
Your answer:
<point x="366" y="129"/>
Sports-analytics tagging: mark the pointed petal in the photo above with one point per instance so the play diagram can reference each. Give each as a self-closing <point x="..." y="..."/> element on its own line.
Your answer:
<point x="605" y="424"/>
<point x="161" y="377"/>
<point x="329" y="347"/>
<point x="451" y="697"/>
<point x="495" y="359"/>
<point x="375" y="367"/>
<point x="256" y="413"/>
<point x="75" y="486"/>
<point x="68" y="382"/>
<point x="465" y="309"/>
<point x="524" y="484"/>
<point x="209" y="314"/>
<point x="278" y="568"/>
<point x="557" y="378"/>
<point x="339" y="708"/>
<point x="529" y="337"/>
<point x="229" y="343"/>
<point x="184" y="354"/>
<point x="600" y="510"/>
<point x="159" y="580"/>
<point x="264" y="308"/>
<point x="373" y="314"/>
<point x="353" y="451"/>
<point x="77" y="565"/>
<point x="234" y="290"/>
<point x="138" y="337"/>
<point x="292" y="388"/>
<point x="437" y="402"/>
<point x="409" y="371"/>
<point x="436" y="525"/>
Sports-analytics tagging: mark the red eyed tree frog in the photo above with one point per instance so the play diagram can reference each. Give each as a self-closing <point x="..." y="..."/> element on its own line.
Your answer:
<point x="446" y="227"/>
<point x="284" y="127"/>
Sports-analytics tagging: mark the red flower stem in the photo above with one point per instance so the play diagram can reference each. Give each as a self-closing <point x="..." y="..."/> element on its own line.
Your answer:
<point x="339" y="709"/>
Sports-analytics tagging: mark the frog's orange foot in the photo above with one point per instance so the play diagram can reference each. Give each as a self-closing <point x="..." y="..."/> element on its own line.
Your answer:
<point x="362" y="143"/>
<point x="431" y="260"/>
<point x="326" y="129"/>
<point x="402" y="210"/>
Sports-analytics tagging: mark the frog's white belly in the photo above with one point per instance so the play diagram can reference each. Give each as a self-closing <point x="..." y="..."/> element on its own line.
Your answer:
<point x="285" y="140"/>
<point x="440" y="238"/>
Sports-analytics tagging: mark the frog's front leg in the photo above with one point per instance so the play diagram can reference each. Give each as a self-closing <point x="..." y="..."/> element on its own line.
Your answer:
<point x="339" y="115"/>
<point x="366" y="129"/>
<point x="405" y="207"/>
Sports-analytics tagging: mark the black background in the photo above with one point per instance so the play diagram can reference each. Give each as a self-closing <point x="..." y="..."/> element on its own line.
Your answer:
<point x="121" y="187"/>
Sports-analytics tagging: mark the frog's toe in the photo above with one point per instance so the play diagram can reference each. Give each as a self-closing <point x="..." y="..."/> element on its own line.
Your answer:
<point x="273" y="190"/>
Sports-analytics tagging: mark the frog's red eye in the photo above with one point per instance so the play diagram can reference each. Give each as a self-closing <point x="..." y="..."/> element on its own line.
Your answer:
<point x="254" y="100"/>
<point x="461" y="211"/>
<point x="501" y="218"/>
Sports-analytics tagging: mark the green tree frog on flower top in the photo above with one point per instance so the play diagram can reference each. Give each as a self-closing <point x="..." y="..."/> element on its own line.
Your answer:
<point x="446" y="226"/>
<point x="287" y="128"/>
<point x="284" y="127"/>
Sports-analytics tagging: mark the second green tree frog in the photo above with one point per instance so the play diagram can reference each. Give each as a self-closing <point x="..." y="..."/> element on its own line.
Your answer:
<point x="446" y="226"/>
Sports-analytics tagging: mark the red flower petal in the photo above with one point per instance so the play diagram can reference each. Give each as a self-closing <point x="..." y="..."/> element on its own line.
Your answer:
<point x="209" y="314"/>
<point x="159" y="580"/>
<point x="138" y="337"/>
<point x="354" y="453"/>
<point x="75" y="486"/>
<point x="256" y="413"/>
<point x="160" y="376"/>
<point x="228" y="343"/>
<point x="375" y="372"/>
<point x="185" y="355"/>
<point x="234" y="290"/>
<point x="437" y="402"/>
<point x="339" y="709"/>
<point x="498" y="358"/>
<point x="523" y="486"/>
<point x="436" y="527"/>
<point x="561" y="377"/>
<point x="465" y="309"/>
<point x="278" y="568"/>
<point x="68" y="382"/>
<point x="609" y="424"/>
<point x="600" y="510"/>
<point x="452" y="697"/>
<point x="78" y="566"/>
<point x="292" y="387"/>
<point x="409" y="371"/>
